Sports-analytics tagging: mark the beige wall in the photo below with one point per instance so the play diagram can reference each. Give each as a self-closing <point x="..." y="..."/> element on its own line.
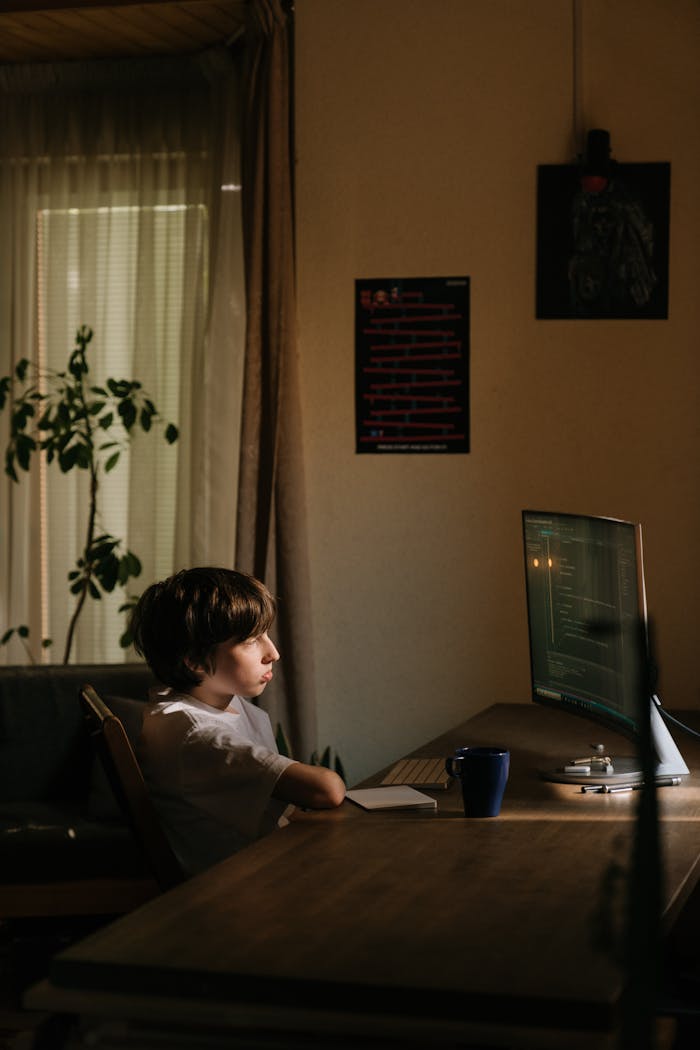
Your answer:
<point x="420" y="125"/>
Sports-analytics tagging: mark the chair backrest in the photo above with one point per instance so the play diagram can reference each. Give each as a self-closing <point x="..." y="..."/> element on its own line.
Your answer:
<point x="126" y="779"/>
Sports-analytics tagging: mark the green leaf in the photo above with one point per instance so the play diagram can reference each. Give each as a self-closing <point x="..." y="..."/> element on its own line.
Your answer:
<point x="83" y="458"/>
<point x="46" y="642"/>
<point x="94" y="593"/>
<point x="23" y="631"/>
<point x="106" y="420"/>
<point x="22" y="415"/>
<point x="99" y="545"/>
<point x="112" y="462"/>
<point x="21" y="369"/>
<point x="127" y="411"/>
<point x="5" y="383"/>
<point x="107" y="571"/>
<point x="6" y="636"/>
<point x="96" y="407"/>
<point x="99" y="390"/>
<point x="25" y="447"/>
<point x="68" y="458"/>
<point x="133" y="563"/>
<point x="119" y="387"/>
<point x="129" y="565"/>
<point x="102" y="547"/>
<point x="145" y="419"/>
<point x="78" y="586"/>
<point x="122" y="575"/>
<point x="10" y="465"/>
<point x="171" y="433"/>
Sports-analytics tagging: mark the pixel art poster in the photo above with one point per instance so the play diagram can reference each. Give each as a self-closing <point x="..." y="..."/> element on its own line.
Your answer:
<point x="412" y="365"/>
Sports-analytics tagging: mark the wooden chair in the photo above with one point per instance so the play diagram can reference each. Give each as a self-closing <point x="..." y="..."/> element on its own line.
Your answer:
<point x="125" y="777"/>
<point x="37" y="919"/>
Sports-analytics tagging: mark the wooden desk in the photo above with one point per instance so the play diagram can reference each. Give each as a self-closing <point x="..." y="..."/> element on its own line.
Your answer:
<point x="403" y="924"/>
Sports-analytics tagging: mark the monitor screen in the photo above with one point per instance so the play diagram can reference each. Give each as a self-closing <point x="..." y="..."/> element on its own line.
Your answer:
<point x="586" y="613"/>
<point x="586" y="607"/>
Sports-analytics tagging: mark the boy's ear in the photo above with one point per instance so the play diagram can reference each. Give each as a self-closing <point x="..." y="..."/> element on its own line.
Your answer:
<point x="205" y="668"/>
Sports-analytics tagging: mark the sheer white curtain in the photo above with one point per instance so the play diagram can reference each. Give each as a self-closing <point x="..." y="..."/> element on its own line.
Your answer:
<point x="120" y="207"/>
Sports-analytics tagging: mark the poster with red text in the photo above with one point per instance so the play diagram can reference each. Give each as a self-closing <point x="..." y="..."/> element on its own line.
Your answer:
<point x="412" y="364"/>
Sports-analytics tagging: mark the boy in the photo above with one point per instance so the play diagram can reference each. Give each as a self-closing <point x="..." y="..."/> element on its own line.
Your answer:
<point x="208" y="755"/>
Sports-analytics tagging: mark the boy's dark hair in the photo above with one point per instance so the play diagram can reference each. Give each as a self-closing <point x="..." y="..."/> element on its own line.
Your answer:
<point x="177" y="623"/>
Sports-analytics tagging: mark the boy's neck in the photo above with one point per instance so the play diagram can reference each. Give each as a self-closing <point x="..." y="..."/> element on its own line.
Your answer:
<point x="206" y="695"/>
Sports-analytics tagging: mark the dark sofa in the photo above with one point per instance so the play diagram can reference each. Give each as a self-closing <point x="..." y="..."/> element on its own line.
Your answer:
<point x="59" y="822"/>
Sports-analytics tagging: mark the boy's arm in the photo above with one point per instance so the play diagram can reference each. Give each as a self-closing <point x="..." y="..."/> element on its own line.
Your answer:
<point x="313" y="786"/>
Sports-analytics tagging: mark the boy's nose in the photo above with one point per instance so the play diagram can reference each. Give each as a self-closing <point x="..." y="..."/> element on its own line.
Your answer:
<point x="271" y="654"/>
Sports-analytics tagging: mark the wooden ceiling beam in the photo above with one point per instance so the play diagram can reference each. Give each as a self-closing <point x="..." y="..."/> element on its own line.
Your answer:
<point x="18" y="7"/>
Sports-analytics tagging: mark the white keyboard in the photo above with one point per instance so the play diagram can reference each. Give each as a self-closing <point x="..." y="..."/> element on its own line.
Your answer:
<point x="419" y="773"/>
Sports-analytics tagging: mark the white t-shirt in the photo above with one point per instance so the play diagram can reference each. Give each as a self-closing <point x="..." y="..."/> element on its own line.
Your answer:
<point x="211" y="774"/>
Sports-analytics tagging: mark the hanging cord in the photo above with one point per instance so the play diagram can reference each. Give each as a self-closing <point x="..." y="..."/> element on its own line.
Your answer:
<point x="576" y="100"/>
<point x="669" y="718"/>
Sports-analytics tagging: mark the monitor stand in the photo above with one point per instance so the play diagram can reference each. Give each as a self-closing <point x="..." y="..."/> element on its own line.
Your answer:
<point x="600" y="768"/>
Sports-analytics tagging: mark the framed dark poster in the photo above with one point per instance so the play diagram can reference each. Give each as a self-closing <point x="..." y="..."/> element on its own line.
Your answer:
<point x="412" y="364"/>
<point x="603" y="254"/>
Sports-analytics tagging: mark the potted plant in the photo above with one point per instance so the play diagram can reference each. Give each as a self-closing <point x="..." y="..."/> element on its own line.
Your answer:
<point x="79" y="426"/>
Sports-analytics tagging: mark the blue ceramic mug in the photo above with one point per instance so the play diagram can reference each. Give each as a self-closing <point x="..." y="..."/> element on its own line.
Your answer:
<point x="483" y="774"/>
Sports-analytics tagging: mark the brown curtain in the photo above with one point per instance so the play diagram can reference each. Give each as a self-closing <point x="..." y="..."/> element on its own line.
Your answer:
<point x="271" y="527"/>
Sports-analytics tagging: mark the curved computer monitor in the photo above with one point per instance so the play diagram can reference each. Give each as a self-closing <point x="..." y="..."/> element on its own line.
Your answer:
<point x="586" y="606"/>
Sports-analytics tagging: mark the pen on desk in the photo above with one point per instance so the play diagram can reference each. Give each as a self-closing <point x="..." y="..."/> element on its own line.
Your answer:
<point x="603" y="789"/>
<point x="663" y="782"/>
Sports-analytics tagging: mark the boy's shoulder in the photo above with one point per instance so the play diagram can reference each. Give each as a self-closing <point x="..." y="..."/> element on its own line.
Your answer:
<point x="164" y="698"/>
<point x="174" y="719"/>
<point x="167" y="701"/>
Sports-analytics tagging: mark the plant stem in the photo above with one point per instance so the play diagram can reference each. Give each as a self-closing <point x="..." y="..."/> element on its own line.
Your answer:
<point x="86" y="582"/>
<point x="92" y="514"/>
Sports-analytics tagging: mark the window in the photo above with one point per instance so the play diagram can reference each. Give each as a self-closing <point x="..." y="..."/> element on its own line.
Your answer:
<point x="94" y="261"/>
<point x="111" y="179"/>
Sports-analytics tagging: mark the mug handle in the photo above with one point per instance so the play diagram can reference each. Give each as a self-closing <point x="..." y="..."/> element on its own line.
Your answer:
<point x="450" y="765"/>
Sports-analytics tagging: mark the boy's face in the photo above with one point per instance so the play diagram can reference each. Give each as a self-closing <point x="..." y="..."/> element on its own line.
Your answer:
<point x="242" y="668"/>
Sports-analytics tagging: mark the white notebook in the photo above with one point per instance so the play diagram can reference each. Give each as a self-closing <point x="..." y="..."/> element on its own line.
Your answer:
<point x="398" y="797"/>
